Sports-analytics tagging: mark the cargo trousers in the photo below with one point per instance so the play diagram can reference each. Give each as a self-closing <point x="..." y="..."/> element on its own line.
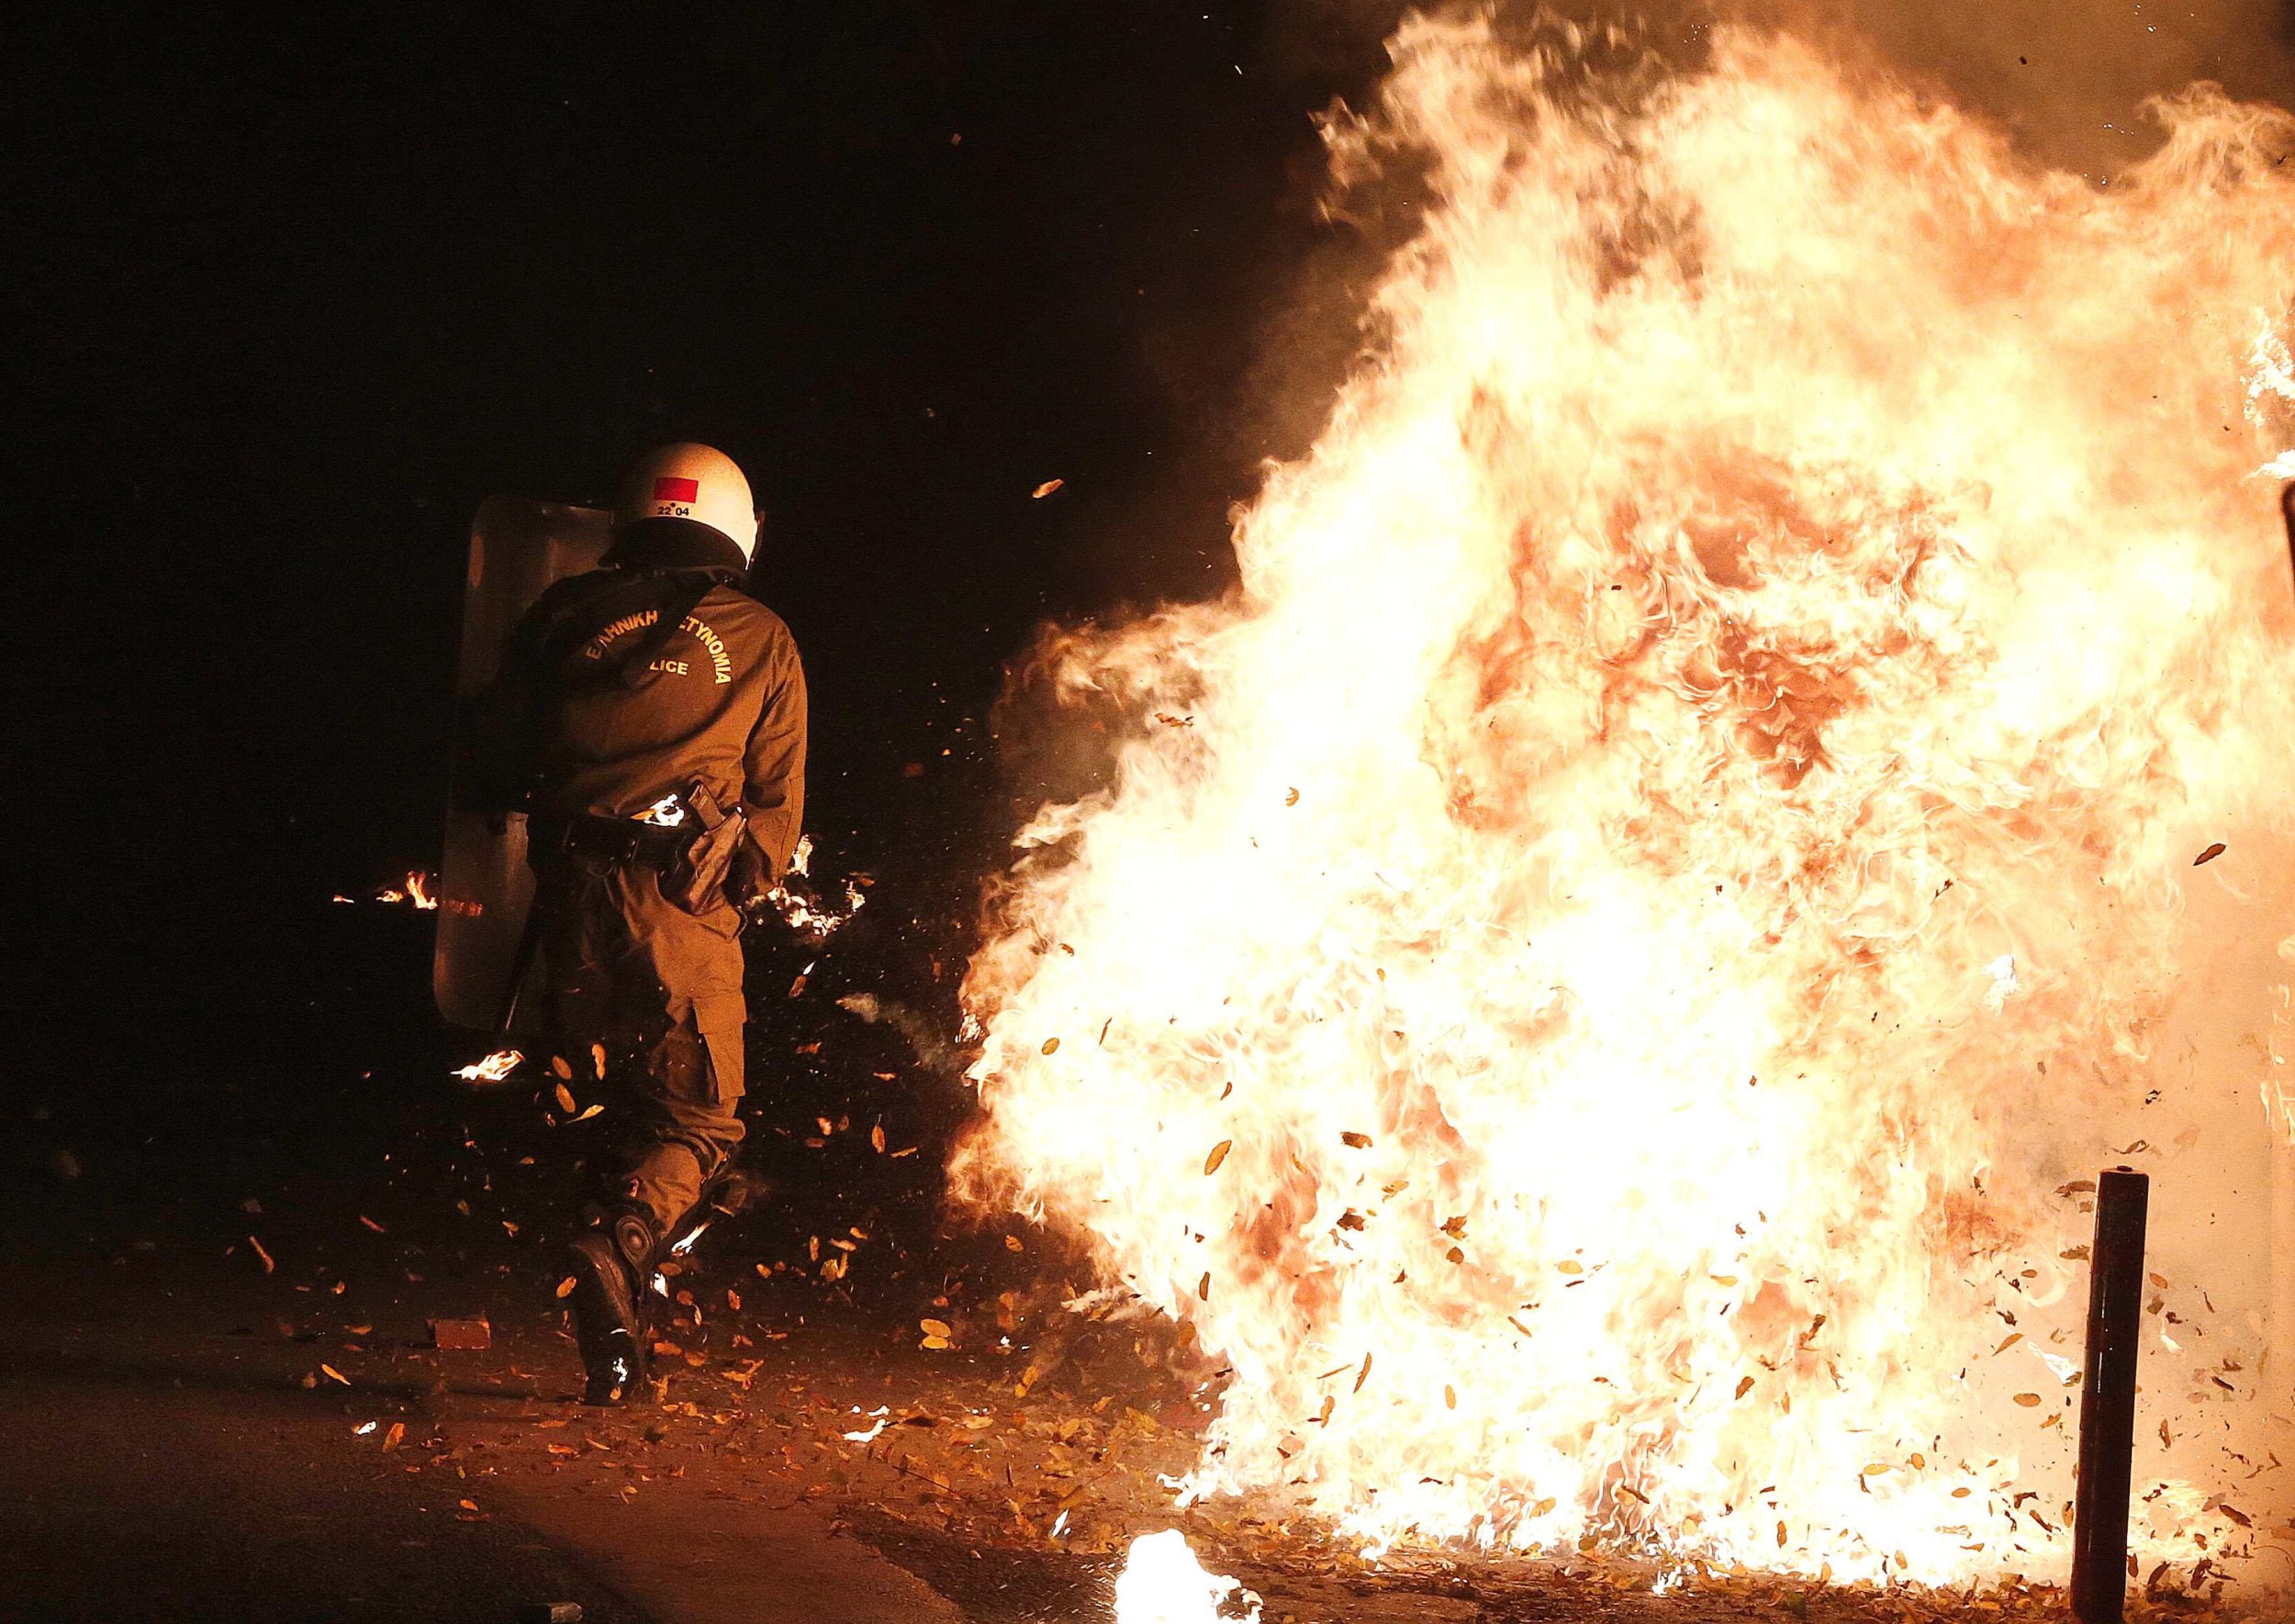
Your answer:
<point x="647" y="998"/>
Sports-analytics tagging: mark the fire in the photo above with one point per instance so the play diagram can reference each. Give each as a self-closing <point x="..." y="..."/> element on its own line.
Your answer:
<point x="1163" y="1583"/>
<point x="495" y="1068"/>
<point x="1604" y="961"/>
<point x="417" y="893"/>
<point x="802" y="908"/>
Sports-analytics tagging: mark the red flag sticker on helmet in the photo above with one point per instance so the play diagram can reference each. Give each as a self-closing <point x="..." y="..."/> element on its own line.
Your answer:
<point x="677" y="491"/>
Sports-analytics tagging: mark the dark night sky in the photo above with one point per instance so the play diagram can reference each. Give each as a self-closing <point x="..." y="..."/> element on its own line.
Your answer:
<point x="298" y="293"/>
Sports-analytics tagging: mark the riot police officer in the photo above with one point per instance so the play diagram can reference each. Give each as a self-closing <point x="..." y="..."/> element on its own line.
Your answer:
<point x="649" y="718"/>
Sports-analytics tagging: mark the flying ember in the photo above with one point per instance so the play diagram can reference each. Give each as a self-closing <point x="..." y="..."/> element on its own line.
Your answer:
<point x="1603" y="965"/>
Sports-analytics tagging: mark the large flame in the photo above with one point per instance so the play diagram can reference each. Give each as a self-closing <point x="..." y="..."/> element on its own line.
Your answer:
<point x="1604" y="959"/>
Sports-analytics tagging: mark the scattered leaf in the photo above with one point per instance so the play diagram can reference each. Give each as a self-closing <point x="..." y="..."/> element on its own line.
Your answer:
<point x="1211" y="1165"/>
<point x="1047" y="489"/>
<point x="2214" y="851"/>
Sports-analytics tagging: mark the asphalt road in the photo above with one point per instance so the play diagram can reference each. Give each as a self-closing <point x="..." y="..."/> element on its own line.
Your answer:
<point x="163" y="1460"/>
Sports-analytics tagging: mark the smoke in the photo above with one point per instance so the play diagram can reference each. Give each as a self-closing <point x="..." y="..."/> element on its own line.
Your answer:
<point x="2068" y="78"/>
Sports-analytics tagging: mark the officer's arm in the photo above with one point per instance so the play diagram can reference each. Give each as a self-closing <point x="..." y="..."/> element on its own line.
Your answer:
<point x="774" y="765"/>
<point x="495" y="735"/>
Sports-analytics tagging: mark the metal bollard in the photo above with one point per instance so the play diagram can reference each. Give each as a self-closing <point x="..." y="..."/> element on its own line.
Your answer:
<point x="2115" y="1322"/>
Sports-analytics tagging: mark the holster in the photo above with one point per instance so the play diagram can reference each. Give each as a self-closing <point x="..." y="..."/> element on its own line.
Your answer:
<point x="694" y="879"/>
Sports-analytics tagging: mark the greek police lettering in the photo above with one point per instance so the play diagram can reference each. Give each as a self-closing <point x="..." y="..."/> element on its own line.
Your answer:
<point x="722" y="662"/>
<point x="596" y="649"/>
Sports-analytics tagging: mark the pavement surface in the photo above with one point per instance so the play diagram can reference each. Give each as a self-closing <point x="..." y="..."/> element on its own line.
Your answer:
<point x="167" y="1462"/>
<point x="224" y="1396"/>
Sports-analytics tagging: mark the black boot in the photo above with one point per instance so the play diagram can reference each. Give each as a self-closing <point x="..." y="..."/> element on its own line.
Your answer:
<point x="610" y="1265"/>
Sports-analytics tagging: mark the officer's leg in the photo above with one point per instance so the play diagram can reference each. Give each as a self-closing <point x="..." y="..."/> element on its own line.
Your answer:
<point x="585" y="957"/>
<point x="690" y="1131"/>
<point x="691" y="1082"/>
<point x="678" y="992"/>
<point x="580" y="932"/>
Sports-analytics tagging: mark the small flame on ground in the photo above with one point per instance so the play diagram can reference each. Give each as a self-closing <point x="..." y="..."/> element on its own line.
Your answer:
<point x="417" y="893"/>
<point x="1163" y="1583"/>
<point x="495" y="1068"/>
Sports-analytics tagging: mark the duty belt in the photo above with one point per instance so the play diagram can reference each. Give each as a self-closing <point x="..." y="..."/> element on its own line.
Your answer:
<point x="611" y="840"/>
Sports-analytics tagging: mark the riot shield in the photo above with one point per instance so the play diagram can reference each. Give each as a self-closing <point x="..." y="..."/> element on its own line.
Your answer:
<point x="517" y="549"/>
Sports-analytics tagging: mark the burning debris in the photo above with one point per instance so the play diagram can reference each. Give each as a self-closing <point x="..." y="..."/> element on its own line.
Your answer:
<point x="802" y="907"/>
<point x="419" y="892"/>
<point x="495" y="1068"/>
<point x="1673" y="849"/>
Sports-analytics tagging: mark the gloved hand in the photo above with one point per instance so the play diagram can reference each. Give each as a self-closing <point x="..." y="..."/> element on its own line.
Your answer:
<point x="748" y="876"/>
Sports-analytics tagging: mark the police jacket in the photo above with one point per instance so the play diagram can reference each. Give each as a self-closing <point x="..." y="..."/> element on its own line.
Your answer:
<point x="573" y="723"/>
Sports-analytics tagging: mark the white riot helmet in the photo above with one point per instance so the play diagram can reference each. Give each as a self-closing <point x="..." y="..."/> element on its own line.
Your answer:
<point x="685" y="505"/>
